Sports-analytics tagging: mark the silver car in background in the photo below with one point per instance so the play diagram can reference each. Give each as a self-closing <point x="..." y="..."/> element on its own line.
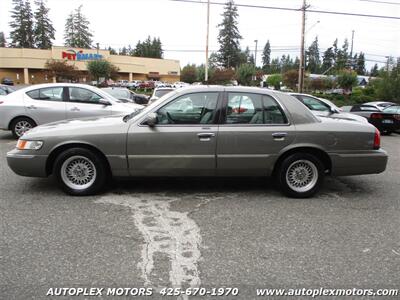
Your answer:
<point x="325" y="108"/>
<point x="203" y="131"/>
<point x="44" y="103"/>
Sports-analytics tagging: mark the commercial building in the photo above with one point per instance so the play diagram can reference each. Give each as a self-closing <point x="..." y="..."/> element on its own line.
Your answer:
<point x="27" y="66"/>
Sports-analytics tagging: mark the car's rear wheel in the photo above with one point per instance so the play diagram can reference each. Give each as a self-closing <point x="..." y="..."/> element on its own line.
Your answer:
<point x="300" y="175"/>
<point x="21" y="125"/>
<point x="80" y="172"/>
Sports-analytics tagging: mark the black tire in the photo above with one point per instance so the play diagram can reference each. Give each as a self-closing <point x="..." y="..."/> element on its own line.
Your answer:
<point x="16" y="123"/>
<point x="304" y="162"/>
<point x="80" y="157"/>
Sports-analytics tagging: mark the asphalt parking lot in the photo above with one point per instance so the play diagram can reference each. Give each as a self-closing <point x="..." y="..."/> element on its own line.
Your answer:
<point x="214" y="233"/>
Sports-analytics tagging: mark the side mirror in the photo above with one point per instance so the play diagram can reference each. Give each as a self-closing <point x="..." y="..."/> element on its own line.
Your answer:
<point x="151" y="119"/>
<point x="333" y="110"/>
<point x="104" y="102"/>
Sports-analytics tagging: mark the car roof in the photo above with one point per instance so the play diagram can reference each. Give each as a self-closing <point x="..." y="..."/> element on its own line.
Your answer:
<point x="48" y="85"/>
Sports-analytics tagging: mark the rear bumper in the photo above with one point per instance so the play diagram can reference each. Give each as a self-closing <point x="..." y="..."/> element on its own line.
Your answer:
<point x="373" y="162"/>
<point x="27" y="164"/>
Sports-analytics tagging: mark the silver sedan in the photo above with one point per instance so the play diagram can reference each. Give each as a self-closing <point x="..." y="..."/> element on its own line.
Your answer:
<point x="203" y="131"/>
<point x="44" y="103"/>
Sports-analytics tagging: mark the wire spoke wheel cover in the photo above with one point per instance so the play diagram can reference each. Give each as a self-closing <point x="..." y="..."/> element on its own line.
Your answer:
<point x="78" y="172"/>
<point x="302" y="176"/>
<point x="21" y="127"/>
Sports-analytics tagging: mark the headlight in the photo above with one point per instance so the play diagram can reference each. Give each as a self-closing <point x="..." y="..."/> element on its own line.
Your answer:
<point x="29" y="145"/>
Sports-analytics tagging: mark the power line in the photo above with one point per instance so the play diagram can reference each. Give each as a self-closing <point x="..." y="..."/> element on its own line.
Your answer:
<point x="296" y="9"/>
<point x="382" y="2"/>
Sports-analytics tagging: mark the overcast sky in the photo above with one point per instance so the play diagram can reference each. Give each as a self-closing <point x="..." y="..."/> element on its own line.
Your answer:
<point x="182" y="26"/>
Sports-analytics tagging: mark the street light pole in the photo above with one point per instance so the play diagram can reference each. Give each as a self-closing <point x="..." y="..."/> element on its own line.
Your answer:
<point x="255" y="54"/>
<point x="301" y="66"/>
<point x="208" y="29"/>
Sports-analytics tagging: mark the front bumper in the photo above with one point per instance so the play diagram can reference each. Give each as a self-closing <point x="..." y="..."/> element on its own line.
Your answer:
<point x="27" y="164"/>
<point x="371" y="162"/>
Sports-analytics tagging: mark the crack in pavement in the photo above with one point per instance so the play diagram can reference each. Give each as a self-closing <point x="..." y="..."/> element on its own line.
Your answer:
<point x="165" y="232"/>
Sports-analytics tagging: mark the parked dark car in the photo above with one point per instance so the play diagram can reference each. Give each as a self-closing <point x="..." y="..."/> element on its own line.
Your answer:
<point x="7" y="81"/>
<point x="387" y="121"/>
<point x="126" y="95"/>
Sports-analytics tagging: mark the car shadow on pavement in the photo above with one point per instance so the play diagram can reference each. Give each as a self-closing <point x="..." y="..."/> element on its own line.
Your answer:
<point x="192" y="185"/>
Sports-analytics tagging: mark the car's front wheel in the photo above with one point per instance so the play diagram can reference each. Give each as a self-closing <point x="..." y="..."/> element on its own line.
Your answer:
<point x="21" y="125"/>
<point x="300" y="175"/>
<point x="80" y="172"/>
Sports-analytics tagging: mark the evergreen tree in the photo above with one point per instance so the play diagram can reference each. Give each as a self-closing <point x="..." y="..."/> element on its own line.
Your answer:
<point x="360" y="64"/>
<point x="275" y="66"/>
<point x="123" y="51"/>
<point x="77" y="33"/>
<point x="44" y="30"/>
<point x="148" y="48"/>
<point x="328" y="59"/>
<point x="3" y="41"/>
<point x="22" y="35"/>
<point x="229" y="36"/>
<point x="342" y="56"/>
<point x="266" y="57"/>
<point x="314" y="61"/>
<point x="335" y="50"/>
<point x="112" y="50"/>
<point x="374" y="71"/>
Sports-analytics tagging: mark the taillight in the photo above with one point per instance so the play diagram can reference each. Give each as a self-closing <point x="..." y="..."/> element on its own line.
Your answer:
<point x="1" y="102"/>
<point x="376" y="116"/>
<point x="377" y="139"/>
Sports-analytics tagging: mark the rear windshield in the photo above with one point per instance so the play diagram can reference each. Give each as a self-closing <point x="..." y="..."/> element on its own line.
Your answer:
<point x="161" y="93"/>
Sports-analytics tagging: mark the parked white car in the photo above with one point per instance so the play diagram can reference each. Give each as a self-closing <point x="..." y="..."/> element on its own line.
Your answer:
<point x="159" y="92"/>
<point x="46" y="103"/>
<point x="179" y="84"/>
<point x="133" y="84"/>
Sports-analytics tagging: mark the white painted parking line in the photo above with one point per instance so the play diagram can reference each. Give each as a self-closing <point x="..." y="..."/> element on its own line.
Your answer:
<point x="165" y="232"/>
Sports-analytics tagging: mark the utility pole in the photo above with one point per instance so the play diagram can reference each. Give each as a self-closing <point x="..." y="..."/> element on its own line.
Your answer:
<point x="301" y="66"/>
<point x="255" y="54"/>
<point x="208" y="29"/>
<point x="351" y="61"/>
<point x="97" y="47"/>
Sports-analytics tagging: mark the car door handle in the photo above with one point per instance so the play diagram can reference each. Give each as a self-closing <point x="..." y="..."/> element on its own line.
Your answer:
<point x="279" y="136"/>
<point x="31" y="107"/>
<point x="75" y="109"/>
<point x="205" y="136"/>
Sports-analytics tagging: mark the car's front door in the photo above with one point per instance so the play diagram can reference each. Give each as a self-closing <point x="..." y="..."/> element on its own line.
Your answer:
<point x="253" y="130"/>
<point x="46" y="105"/>
<point x="85" y="103"/>
<point x="183" y="142"/>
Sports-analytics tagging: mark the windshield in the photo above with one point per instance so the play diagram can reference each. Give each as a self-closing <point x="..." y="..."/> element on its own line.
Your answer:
<point x="148" y="108"/>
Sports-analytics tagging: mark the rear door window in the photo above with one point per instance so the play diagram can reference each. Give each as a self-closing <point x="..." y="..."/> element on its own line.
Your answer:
<point x="47" y="94"/>
<point x="246" y="108"/>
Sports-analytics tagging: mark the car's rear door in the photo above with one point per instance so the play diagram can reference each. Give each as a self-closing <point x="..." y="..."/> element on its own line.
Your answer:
<point x="85" y="103"/>
<point x="254" y="128"/>
<point x="46" y="105"/>
<point x="183" y="142"/>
